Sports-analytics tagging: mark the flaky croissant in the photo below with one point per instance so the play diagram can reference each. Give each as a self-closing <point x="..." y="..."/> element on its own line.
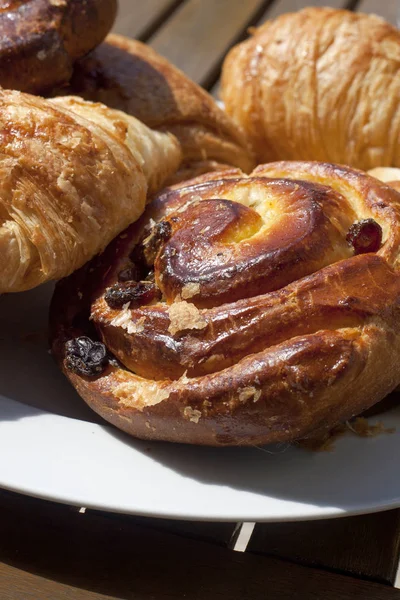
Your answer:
<point x="72" y="175"/>
<point x="130" y="76"/>
<point x="319" y="84"/>
<point x="240" y="310"/>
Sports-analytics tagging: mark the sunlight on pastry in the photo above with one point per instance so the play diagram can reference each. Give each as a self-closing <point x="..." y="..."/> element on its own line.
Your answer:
<point x="242" y="309"/>
<point x="318" y="84"/>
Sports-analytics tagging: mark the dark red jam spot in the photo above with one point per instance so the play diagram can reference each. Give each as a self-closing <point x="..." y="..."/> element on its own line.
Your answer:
<point x="365" y="236"/>
<point x="85" y="357"/>
<point x="134" y="293"/>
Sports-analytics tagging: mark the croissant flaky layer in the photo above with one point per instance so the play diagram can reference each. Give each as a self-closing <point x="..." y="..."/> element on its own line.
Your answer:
<point x="73" y="174"/>
<point x="130" y="76"/>
<point x="240" y="309"/>
<point x="319" y="84"/>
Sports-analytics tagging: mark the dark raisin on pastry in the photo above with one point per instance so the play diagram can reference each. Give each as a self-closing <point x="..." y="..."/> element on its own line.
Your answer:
<point x="85" y="357"/>
<point x="132" y="292"/>
<point x="365" y="236"/>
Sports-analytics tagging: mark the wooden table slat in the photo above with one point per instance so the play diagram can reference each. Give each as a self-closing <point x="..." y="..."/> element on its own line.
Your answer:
<point x="388" y="9"/>
<point x="50" y="555"/>
<point x="199" y="33"/>
<point x="367" y="546"/>
<point x="140" y="18"/>
<point x="16" y="584"/>
<point x="211" y="532"/>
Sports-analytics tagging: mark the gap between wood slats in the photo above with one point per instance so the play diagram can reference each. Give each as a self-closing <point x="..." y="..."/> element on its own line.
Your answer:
<point x="141" y="18"/>
<point x="198" y="35"/>
<point x="241" y="536"/>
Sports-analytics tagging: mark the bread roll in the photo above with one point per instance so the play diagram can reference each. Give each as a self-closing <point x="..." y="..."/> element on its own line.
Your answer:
<point x="318" y="84"/>
<point x="240" y="309"/>
<point x="130" y="76"/>
<point x="41" y="39"/>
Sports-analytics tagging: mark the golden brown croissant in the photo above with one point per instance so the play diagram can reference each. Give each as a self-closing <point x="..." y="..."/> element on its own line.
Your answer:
<point x="40" y="39"/>
<point x="240" y="310"/>
<point x="72" y="175"/>
<point x="319" y="84"/>
<point x="130" y="76"/>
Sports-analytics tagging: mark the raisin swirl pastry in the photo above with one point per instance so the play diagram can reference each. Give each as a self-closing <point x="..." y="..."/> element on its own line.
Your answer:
<point x="240" y="309"/>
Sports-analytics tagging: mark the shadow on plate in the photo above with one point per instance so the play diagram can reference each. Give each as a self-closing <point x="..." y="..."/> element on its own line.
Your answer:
<point x="28" y="373"/>
<point x="364" y="467"/>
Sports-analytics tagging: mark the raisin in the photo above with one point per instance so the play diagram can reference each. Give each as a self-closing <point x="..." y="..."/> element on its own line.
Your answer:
<point x="365" y="236"/>
<point x="134" y="293"/>
<point x="85" y="357"/>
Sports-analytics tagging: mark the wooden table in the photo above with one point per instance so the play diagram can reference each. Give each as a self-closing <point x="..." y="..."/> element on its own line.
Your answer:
<point x="55" y="552"/>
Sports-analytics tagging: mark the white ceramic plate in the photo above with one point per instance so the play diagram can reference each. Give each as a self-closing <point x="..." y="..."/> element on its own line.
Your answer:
<point x="52" y="446"/>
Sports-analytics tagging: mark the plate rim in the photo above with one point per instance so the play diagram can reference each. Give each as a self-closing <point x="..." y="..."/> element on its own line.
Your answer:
<point x="314" y="513"/>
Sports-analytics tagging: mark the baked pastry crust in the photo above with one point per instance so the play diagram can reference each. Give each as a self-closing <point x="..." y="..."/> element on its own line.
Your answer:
<point x="73" y="174"/>
<point x="128" y="75"/>
<point x="40" y="39"/>
<point x="318" y="84"/>
<point x="266" y="318"/>
<point x="389" y="175"/>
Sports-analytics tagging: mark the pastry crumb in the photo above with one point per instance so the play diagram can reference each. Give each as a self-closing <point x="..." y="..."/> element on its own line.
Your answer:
<point x="362" y="428"/>
<point x="249" y="392"/>
<point x="183" y="316"/>
<point x="359" y="426"/>
<point x="192" y="414"/>
<point x="124" y="320"/>
<point x="138" y="394"/>
<point x="184" y="378"/>
<point x="189" y="290"/>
